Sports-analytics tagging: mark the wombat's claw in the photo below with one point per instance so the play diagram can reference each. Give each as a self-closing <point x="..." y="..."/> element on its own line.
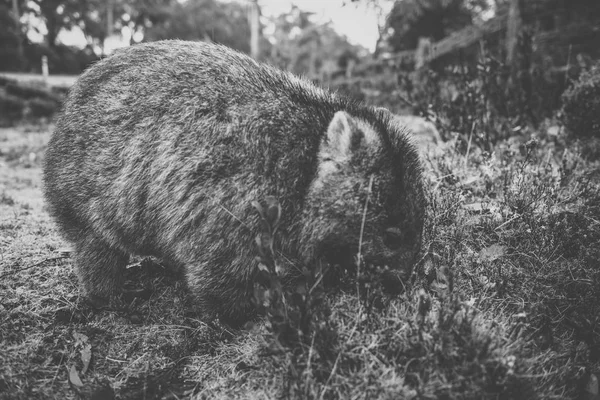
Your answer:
<point x="129" y="296"/>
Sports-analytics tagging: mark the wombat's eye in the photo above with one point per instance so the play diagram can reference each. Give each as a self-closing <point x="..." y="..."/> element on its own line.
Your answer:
<point x="392" y="238"/>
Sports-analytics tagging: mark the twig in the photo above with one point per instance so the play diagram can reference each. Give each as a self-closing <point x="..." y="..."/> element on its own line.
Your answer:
<point x="310" y="353"/>
<point x="234" y="216"/>
<point x="405" y="100"/>
<point x="362" y="231"/>
<point x="337" y="359"/>
<point x="469" y="144"/>
<point x="568" y="64"/>
<point x="506" y="222"/>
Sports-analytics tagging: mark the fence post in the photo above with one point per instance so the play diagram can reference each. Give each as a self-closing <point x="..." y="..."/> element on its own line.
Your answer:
<point x="45" y="68"/>
<point x="423" y="53"/>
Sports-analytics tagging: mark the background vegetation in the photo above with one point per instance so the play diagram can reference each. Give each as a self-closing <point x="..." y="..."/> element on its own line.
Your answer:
<point x="504" y="301"/>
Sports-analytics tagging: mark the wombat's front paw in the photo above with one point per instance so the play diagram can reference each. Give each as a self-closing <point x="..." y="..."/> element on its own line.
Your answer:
<point x="130" y="295"/>
<point x="98" y="302"/>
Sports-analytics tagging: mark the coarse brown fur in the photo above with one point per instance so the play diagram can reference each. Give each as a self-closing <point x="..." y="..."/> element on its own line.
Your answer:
<point x="162" y="147"/>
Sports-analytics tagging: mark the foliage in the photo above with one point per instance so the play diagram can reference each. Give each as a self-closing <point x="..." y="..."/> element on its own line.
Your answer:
<point x="42" y="108"/>
<point x="581" y="105"/>
<point x="153" y="20"/>
<point x="10" y="36"/>
<point x="91" y="16"/>
<point x="297" y="44"/>
<point x="478" y="102"/>
<point x="11" y="109"/>
<point x="211" y="20"/>
<point x="410" y="20"/>
<point x="68" y="60"/>
<point x="30" y="102"/>
<point x="308" y="48"/>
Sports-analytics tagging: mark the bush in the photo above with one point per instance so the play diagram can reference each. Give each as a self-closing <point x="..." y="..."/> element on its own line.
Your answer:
<point x="5" y="81"/>
<point x="30" y="92"/>
<point x="40" y="108"/>
<point x="61" y="59"/>
<point x="581" y="105"/>
<point x="11" y="109"/>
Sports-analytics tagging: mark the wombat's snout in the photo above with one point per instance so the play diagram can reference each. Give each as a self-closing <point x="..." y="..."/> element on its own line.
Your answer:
<point x="394" y="258"/>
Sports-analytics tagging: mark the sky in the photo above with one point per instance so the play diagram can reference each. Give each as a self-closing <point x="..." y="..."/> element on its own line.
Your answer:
<point x="357" y="22"/>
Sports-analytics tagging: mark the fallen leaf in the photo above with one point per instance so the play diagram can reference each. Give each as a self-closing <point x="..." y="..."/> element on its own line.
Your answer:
<point x="492" y="252"/>
<point x="591" y="388"/>
<point x="86" y="357"/>
<point x="74" y="377"/>
<point x="474" y="207"/>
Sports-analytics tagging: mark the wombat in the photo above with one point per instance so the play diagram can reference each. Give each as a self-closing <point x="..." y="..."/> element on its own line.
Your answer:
<point x="161" y="148"/>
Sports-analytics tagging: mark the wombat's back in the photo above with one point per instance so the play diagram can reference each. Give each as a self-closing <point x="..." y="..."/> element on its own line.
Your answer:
<point x="149" y="132"/>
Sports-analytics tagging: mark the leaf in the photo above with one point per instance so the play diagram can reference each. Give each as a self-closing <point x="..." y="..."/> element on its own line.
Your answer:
<point x="86" y="357"/>
<point x="591" y="388"/>
<point x="80" y="339"/>
<point x="258" y="208"/>
<point x="263" y="267"/>
<point x="86" y="349"/>
<point x="492" y="252"/>
<point x="74" y="377"/>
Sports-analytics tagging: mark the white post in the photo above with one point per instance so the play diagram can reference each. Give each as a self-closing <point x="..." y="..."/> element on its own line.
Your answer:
<point x="45" y="68"/>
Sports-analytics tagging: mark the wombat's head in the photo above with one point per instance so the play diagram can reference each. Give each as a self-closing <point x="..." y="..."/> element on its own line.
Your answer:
<point x="365" y="164"/>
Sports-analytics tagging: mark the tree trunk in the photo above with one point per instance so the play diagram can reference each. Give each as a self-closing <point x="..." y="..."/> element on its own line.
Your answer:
<point x="513" y="30"/>
<point x="17" y="17"/>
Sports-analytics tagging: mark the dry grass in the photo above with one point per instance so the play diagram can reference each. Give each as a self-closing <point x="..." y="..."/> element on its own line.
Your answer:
<point x="505" y="302"/>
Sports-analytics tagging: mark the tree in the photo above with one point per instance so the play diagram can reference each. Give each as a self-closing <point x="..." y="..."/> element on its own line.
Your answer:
<point x="140" y="15"/>
<point x="410" y="20"/>
<point x="208" y="20"/>
<point x="11" y="39"/>
<point x="304" y="47"/>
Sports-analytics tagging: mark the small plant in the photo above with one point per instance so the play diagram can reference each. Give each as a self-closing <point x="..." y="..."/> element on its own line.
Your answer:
<point x="297" y="313"/>
<point x="581" y="105"/>
<point x="41" y="108"/>
<point x="6" y="199"/>
<point x="292" y="309"/>
<point x="11" y="109"/>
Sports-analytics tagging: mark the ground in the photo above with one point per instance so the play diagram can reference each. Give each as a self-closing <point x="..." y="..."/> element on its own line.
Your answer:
<point x="504" y="303"/>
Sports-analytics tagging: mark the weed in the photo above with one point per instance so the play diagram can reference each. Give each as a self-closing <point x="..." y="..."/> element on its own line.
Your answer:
<point x="6" y="199"/>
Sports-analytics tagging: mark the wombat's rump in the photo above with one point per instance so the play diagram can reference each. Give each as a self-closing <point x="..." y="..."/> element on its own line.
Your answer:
<point x="162" y="147"/>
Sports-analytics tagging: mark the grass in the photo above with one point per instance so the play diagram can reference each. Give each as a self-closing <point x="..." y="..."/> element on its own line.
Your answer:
<point x="504" y="303"/>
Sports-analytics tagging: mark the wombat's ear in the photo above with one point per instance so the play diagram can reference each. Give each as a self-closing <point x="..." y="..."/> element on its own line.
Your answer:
<point x="339" y="136"/>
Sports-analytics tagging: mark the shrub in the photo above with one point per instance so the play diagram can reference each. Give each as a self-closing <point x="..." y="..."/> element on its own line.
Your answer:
<point x="39" y="108"/>
<point x="5" y="81"/>
<point x="29" y="91"/>
<point x="11" y="109"/>
<point x="581" y="105"/>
